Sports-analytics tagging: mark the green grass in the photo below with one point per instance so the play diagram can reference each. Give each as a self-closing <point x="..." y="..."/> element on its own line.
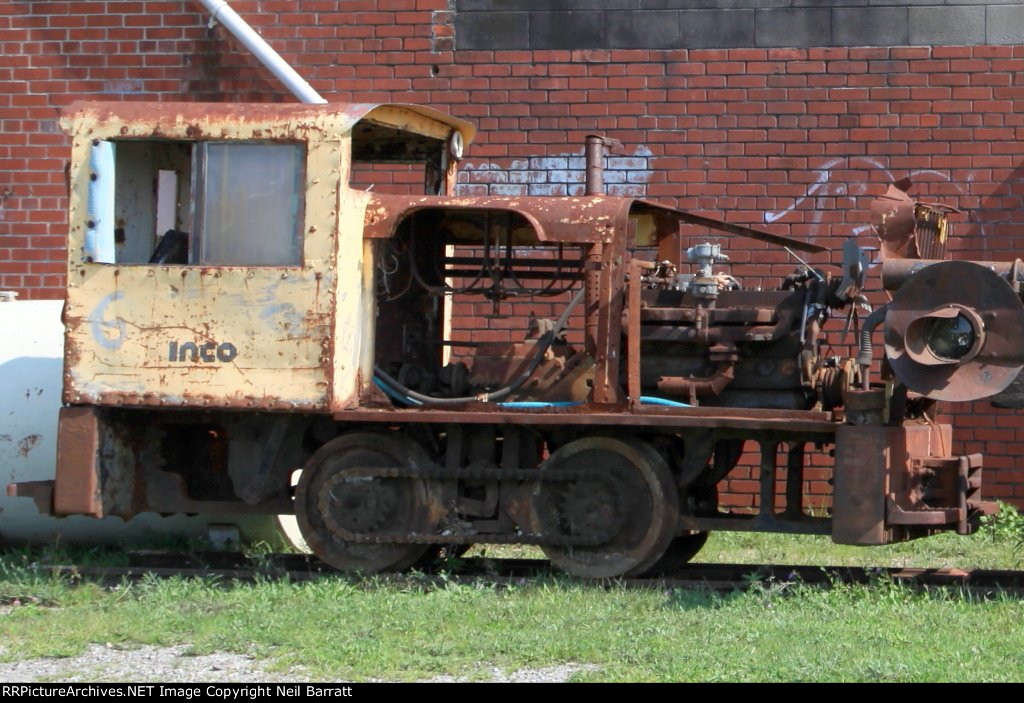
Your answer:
<point x="940" y="551"/>
<point x="360" y="629"/>
<point x="999" y="544"/>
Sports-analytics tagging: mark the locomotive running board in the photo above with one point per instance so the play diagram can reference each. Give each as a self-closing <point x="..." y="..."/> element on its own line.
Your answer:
<point x="797" y="422"/>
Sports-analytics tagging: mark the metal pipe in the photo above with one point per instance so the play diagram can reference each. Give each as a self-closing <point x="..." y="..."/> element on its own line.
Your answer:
<point x="694" y="386"/>
<point x="866" y="352"/>
<point x="895" y="272"/>
<point x="594" y="183"/>
<point x="221" y="12"/>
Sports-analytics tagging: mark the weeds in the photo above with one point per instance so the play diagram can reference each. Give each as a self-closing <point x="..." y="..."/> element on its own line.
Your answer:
<point x="1004" y="527"/>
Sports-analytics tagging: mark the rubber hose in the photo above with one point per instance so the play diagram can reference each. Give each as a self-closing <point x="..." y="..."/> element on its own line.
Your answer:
<point x="543" y="345"/>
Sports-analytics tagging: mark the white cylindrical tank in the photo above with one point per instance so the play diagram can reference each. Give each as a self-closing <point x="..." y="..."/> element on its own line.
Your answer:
<point x="31" y="363"/>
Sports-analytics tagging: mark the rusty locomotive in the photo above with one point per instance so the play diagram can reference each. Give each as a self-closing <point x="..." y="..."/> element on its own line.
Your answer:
<point x="240" y="313"/>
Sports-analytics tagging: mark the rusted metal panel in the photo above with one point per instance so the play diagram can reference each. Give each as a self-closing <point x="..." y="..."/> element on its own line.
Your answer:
<point x="584" y="220"/>
<point x="589" y="219"/>
<point x="257" y="120"/>
<point x="350" y="346"/>
<point x="416" y="119"/>
<point x="860" y="485"/>
<point x="76" y="489"/>
<point x="993" y="322"/>
<point x="189" y="336"/>
<point x="633" y="291"/>
<point x="41" y="493"/>
<point x="605" y="306"/>
<point x="908" y="228"/>
<point x="234" y="336"/>
<point x="894" y="483"/>
<point x="749" y="232"/>
<point x="122" y="462"/>
<point x="896" y="272"/>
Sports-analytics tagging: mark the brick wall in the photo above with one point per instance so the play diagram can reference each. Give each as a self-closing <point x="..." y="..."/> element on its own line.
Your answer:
<point x="795" y="140"/>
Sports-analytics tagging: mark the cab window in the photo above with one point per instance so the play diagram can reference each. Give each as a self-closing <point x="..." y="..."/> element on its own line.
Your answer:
<point x="202" y="203"/>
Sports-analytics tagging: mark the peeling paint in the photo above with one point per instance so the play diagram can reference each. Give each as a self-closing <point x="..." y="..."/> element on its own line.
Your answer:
<point x="27" y="444"/>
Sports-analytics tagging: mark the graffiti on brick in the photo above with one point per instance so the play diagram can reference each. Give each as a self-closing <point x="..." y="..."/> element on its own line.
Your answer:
<point x="558" y="174"/>
<point x="832" y="179"/>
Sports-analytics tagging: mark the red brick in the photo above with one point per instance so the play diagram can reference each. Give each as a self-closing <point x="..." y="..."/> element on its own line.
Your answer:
<point x="737" y="131"/>
<point x="786" y="54"/>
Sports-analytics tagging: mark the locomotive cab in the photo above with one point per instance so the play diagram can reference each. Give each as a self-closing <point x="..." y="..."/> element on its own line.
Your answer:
<point x="215" y="262"/>
<point x="216" y="251"/>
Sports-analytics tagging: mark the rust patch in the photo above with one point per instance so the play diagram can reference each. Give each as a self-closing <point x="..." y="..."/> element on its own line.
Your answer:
<point x="908" y="228"/>
<point x="28" y="443"/>
<point x="572" y="220"/>
<point x="76" y="487"/>
<point x="170" y="119"/>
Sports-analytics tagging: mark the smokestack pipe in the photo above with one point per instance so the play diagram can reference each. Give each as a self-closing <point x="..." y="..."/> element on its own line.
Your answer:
<point x="594" y="156"/>
<point x="594" y="183"/>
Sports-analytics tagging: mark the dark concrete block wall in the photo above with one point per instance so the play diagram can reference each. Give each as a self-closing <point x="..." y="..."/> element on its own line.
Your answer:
<point x="708" y="24"/>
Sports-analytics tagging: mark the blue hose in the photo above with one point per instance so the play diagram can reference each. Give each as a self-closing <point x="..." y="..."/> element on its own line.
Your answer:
<point x="651" y="400"/>
<point x="393" y="394"/>
<point x="529" y="404"/>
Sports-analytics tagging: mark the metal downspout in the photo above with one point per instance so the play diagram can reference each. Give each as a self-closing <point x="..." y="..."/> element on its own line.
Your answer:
<point x="221" y="12"/>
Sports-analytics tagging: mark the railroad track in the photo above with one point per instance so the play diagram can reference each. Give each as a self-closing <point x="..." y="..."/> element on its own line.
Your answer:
<point x="230" y="566"/>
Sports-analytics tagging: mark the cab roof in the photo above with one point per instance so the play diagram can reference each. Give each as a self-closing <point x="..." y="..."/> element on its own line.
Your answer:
<point x="194" y="120"/>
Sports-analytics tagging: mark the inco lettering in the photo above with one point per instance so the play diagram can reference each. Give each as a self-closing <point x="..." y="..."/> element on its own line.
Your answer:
<point x="207" y="352"/>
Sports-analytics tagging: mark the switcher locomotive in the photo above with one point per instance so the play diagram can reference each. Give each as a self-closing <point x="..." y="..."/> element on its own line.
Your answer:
<point x="243" y="309"/>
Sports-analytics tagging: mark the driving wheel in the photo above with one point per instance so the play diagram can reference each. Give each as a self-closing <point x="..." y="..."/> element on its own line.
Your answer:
<point x="623" y="504"/>
<point x="339" y="496"/>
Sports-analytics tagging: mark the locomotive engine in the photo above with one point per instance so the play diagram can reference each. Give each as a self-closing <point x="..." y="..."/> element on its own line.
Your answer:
<point x="706" y="341"/>
<point x="246" y="311"/>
